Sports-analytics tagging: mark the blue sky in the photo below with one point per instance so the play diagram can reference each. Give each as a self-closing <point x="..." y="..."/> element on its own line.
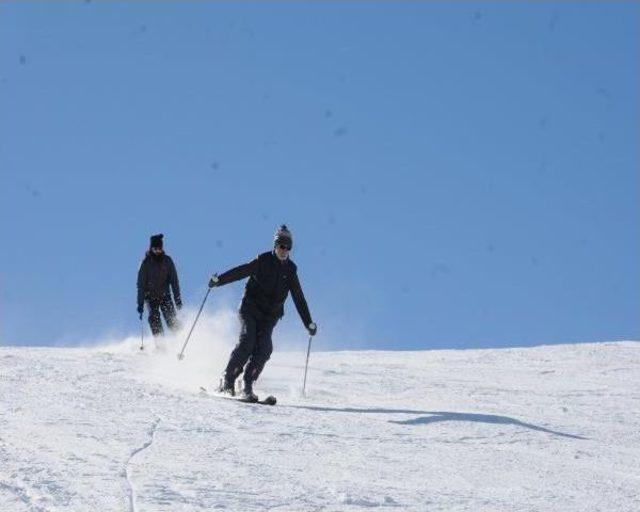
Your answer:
<point x="455" y="174"/>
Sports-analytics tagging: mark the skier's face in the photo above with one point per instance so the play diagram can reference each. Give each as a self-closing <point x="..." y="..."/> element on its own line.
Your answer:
<point x="156" y="250"/>
<point x="282" y="252"/>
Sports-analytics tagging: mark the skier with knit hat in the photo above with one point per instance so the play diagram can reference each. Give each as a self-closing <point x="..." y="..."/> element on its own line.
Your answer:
<point x="272" y="275"/>
<point x="156" y="275"/>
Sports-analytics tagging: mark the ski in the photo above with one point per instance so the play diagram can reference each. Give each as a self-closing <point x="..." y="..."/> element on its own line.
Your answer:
<point x="270" y="400"/>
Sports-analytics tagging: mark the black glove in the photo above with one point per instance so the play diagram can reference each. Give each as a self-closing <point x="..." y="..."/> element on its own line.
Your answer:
<point x="213" y="282"/>
<point x="179" y="303"/>
<point x="140" y="310"/>
<point x="312" y="328"/>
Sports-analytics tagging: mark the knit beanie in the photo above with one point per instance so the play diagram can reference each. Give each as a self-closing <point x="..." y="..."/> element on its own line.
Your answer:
<point x="283" y="237"/>
<point x="156" y="241"/>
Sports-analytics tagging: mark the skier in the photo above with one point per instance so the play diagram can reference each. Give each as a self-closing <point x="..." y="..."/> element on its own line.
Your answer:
<point x="157" y="273"/>
<point x="272" y="275"/>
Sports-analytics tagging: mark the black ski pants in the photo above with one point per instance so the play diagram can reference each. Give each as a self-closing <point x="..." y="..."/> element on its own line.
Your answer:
<point x="165" y="304"/>
<point x="253" y="349"/>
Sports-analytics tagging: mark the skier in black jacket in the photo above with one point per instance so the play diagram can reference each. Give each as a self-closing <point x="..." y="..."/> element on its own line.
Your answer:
<point x="157" y="273"/>
<point x="272" y="275"/>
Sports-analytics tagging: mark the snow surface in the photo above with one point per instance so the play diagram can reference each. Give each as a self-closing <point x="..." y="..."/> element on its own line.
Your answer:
<point x="113" y="428"/>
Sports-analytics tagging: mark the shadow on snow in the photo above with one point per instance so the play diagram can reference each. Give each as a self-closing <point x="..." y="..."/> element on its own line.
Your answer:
<point x="439" y="416"/>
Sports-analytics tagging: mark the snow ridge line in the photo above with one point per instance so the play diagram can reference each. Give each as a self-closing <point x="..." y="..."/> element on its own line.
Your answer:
<point x="132" y="492"/>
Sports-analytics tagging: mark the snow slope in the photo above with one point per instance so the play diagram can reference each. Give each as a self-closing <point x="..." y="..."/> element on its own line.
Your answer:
<point x="112" y="428"/>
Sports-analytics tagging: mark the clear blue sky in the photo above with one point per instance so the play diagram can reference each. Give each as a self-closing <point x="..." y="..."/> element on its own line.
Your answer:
<point x="455" y="174"/>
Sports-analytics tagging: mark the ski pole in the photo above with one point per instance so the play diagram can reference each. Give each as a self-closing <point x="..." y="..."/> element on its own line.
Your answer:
<point x="304" y="385"/>
<point x="141" y="333"/>
<point x="181" y="354"/>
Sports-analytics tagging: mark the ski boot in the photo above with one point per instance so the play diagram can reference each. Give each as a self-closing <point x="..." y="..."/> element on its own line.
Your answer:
<point x="247" y="394"/>
<point x="227" y="387"/>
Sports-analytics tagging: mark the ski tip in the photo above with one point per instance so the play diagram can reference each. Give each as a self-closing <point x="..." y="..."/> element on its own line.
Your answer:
<point x="270" y="400"/>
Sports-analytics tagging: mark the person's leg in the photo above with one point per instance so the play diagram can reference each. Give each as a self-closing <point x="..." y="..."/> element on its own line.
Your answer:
<point x="261" y="353"/>
<point x="169" y="313"/>
<point x="242" y="351"/>
<point x="154" y="317"/>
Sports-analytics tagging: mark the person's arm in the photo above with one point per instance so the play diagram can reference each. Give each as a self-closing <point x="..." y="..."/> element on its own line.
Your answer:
<point x="234" y="274"/>
<point x="142" y="285"/>
<point x="301" y="302"/>
<point x="175" y="284"/>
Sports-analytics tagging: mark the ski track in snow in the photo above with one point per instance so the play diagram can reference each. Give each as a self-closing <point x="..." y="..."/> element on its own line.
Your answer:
<point x="127" y="471"/>
<point x="508" y="430"/>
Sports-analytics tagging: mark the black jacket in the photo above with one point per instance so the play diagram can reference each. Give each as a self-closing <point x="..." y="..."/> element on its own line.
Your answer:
<point x="270" y="281"/>
<point x="154" y="278"/>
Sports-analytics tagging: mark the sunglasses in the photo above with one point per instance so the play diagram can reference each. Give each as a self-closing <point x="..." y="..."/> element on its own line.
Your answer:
<point x="284" y="247"/>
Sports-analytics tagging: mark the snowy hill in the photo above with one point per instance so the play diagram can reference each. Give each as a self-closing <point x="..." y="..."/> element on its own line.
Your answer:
<point x="112" y="428"/>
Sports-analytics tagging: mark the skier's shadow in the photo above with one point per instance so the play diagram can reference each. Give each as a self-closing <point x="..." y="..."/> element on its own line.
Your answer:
<point x="440" y="416"/>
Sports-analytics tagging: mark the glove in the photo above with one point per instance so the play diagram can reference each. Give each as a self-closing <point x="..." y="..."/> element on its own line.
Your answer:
<point x="213" y="282"/>
<point x="140" y="310"/>
<point x="179" y="303"/>
<point x="312" y="328"/>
